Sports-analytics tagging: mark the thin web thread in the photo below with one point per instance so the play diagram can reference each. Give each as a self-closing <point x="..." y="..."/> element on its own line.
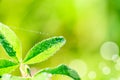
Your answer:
<point x="32" y="31"/>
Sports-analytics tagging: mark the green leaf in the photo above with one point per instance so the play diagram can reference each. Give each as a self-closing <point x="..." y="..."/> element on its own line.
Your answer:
<point x="7" y="66"/>
<point x="10" y="42"/>
<point x="62" y="70"/>
<point x="43" y="50"/>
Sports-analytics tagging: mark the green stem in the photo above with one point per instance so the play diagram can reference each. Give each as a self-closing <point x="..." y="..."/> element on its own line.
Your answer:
<point x="25" y="70"/>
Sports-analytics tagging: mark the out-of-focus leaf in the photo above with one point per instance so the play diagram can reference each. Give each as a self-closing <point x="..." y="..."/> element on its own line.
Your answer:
<point x="7" y="66"/>
<point x="19" y="78"/>
<point x="9" y="77"/>
<point x="5" y="77"/>
<point x="43" y="50"/>
<point x="62" y="70"/>
<point x="10" y="42"/>
<point x="42" y="76"/>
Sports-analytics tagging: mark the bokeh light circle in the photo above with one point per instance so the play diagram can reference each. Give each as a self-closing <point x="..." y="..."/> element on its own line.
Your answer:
<point x="80" y="66"/>
<point x="92" y="75"/>
<point x="117" y="65"/>
<point x="106" y="70"/>
<point x="118" y="78"/>
<point x="109" y="50"/>
<point x="115" y="57"/>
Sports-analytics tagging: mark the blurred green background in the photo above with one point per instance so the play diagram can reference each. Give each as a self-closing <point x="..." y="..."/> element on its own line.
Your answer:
<point x="91" y="28"/>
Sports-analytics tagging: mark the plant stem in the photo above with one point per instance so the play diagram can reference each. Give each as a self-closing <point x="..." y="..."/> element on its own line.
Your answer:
<point x="25" y="70"/>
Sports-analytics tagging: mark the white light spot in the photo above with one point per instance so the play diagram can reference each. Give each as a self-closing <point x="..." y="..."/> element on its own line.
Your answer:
<point x="6" y="77"/>
<point x="109" y="50"/>
<point x="118" y="78"/>
<point x="80" y="66"/>
<point x="115" y="57"/>
<point x="117" y="65"/>
<point x="49" y="75"/>
<point x="106" y="70"/>
<point x="45" y="74"/>
<point x="92" y="75"/>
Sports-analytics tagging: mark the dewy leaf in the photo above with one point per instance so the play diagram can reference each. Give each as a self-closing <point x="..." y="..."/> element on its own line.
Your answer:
<point x="10" y="42"/>
<point x="62" y="70"/>
<point x="7" y="66"/>
<point x="43" y="50"/>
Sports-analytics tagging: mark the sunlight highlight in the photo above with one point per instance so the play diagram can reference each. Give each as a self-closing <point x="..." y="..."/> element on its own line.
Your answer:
<point x="109" y="50"/>
<point x="92" y="75"/>
<point x="80" y="66"/>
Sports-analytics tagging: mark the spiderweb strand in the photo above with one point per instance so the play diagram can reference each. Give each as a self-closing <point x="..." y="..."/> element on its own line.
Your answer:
<point x="32" y="31"/>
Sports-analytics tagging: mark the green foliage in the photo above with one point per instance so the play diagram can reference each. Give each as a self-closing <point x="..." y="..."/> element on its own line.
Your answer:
<point x="62" y="70"/>
<point x="10" y="42"/>
<point x="44" y="50"/>
<point x="7" y="66"/>
<point x="40" y="52"/>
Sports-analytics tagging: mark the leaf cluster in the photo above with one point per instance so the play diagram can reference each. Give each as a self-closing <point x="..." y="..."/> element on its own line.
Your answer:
<point x="38" y="53"/>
